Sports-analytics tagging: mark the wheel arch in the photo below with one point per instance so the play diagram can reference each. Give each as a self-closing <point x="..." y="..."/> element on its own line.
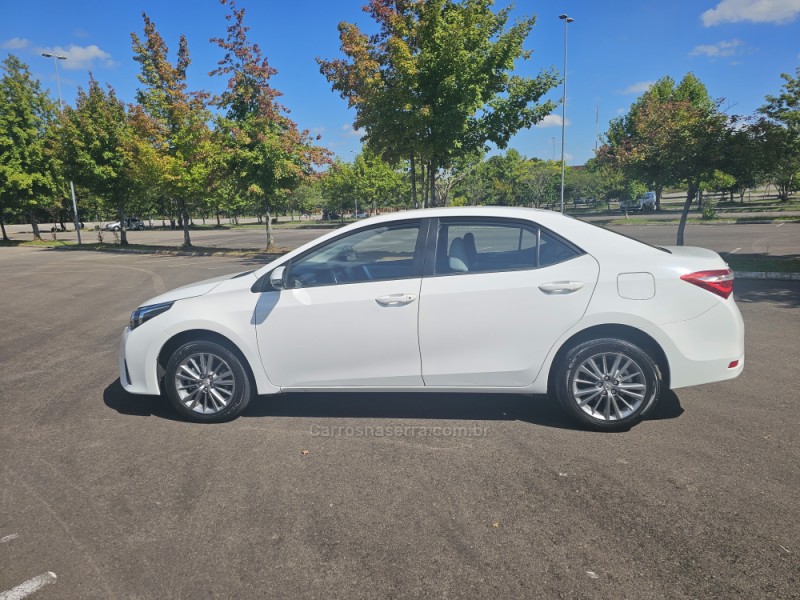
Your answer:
<point x="201" y="335"/>
<point x="618" y="331"/>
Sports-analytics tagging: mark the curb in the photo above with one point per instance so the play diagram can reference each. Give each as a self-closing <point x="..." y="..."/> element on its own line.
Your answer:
<point x="772" y="276"/>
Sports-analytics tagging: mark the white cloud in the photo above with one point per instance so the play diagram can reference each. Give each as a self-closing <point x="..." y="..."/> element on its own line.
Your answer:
<point x="15" y="43"/>
<point x="639" y="87"/>
<point x="348" y="131"/>
<point x="754" y="11"/>
<point x="724" y="48"/>
<point x="81" y="57"/>
<point x="551" y="121"/>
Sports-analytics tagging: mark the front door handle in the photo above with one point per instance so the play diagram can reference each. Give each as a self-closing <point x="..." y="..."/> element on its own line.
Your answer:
<point x="395" y="299"/>
<point x="561" y="287"/>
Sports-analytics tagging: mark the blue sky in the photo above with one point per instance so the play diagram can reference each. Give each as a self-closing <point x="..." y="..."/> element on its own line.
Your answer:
<point x="738" y="48"/>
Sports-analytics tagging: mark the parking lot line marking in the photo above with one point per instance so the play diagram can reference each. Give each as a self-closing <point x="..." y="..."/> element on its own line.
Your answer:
<point x="26" y="588"/>
<point x="734" y="251"/>
<point x="8" y="538"/>
<point x="780" y="224"/>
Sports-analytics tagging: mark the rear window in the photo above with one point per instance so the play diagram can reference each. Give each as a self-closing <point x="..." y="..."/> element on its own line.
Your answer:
<point x="492" y="246"/>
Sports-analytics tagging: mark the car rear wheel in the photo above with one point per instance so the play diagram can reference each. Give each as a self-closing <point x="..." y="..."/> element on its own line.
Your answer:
<point x="206" y="382"/>
<point x="608" y="384"/>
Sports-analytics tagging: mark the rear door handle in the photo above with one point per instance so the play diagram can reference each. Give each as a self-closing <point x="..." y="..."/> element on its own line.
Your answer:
<point x="561" y="287"/>
<point x="395" y="299"/>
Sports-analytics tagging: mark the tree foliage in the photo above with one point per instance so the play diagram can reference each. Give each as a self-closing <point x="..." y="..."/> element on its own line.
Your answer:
<point x="368" y="184"/>
<point x="97" y="143"/>
<point x="672" y="135"/>
<point x="436" y="81"/>
<point x="780" y="132"/>
<point x="267" y="155"/>
<point x="173" y="119"/>
<point x="27" y="162"/>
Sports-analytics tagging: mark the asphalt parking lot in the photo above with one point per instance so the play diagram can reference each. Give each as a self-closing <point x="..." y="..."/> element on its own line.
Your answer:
<point x="118" y="498"/>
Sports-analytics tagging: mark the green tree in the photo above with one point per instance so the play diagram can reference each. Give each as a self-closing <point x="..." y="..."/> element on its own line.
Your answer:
<point x="305" y="198"/>
<point x="436" y="81"/>
<point x="679" y="129"/>
<point x="779" y="131"/>
<point x="540" y="182"/>
<point x="368" y="183"/>
<point x="743" y="158"/>
<point x="178" y="118"/>
<point x="377" y="184"/>
<point x="27" y="115"/>
<point x="96" y="142"/>
<point x="267" y="154"/>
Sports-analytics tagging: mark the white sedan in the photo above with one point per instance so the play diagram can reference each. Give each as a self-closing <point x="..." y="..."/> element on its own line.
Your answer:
<point x="455" y="299"/>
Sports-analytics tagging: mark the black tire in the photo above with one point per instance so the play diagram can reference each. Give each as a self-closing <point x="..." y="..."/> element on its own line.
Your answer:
<point x="603" y="395"/>
<point x="205" y="399"/>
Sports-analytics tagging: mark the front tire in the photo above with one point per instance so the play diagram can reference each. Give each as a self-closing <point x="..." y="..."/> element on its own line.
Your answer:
<point x="207" y="383"/>
<point x="608" y="384"/>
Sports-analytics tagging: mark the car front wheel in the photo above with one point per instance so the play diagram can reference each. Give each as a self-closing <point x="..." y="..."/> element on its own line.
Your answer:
<point x="608" y="384"/>
<point x="206" y="382"/>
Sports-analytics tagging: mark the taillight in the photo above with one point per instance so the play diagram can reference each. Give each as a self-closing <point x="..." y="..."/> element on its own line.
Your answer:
<point x="719" y="282"/>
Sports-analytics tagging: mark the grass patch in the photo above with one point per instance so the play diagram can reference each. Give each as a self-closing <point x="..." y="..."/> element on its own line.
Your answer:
<point x="770" y="264"/>
<point x="696" y="220"/>
<point x="148" y="249"/>
<point x="44" y="243"/>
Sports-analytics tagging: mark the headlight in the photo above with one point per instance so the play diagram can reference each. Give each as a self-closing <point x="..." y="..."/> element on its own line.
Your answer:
<point x="145" y="313"/>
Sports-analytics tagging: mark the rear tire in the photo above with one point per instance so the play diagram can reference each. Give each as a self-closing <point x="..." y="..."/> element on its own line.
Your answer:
<point x="608" y="384"/>
<point x="207" y="383"/>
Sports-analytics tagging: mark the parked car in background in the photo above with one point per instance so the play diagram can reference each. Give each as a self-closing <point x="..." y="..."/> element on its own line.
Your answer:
<point x="643" y="203"/>
<point x="483" y="299"/>
<point x="359" y="215"/>
<point x="130" y="223"/>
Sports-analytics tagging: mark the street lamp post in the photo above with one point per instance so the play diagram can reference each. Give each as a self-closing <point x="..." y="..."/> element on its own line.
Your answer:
<point x="567" y="19"/>
<point x="56" y="58"/>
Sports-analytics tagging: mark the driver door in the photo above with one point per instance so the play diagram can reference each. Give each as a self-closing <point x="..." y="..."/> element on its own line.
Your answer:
<point x="348" y="313"/>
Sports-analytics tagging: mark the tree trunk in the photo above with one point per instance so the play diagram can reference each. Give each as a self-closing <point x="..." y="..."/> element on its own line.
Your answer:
<point x="34" y="226"/>
<point x="690" y="194"/>
<point x="423" y="173"/>
<point x="432" y="182"/>
<point x="3" y="226"/>
<point x="414" y="182"/>
<point x="123" y="233"/>
<point x="187" y="240"/>
<point x="219" y="223"/>
<point x="659" y="190"/>
<point x="269" y="224"/>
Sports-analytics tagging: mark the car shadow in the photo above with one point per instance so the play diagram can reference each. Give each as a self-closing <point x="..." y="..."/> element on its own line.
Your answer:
<point x="784" y="293"/>
<point x="537" y="410"/>
<point x="135" y="405"/>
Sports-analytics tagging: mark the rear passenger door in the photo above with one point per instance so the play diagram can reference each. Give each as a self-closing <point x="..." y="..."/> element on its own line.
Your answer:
<point x="496" y="295"/>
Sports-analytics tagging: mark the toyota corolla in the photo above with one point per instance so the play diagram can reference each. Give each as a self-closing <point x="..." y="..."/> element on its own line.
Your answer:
<point x="456" y="299"/>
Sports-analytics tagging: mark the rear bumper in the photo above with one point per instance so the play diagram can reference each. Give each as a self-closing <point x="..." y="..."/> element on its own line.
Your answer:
<point x="707" y="346"/>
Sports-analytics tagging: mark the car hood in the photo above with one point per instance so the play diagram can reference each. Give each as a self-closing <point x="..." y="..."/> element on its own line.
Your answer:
<point x="192" y="290"/>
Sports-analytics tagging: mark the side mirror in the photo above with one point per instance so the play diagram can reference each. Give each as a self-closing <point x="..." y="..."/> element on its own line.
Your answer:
<point x="276" y="278"/>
